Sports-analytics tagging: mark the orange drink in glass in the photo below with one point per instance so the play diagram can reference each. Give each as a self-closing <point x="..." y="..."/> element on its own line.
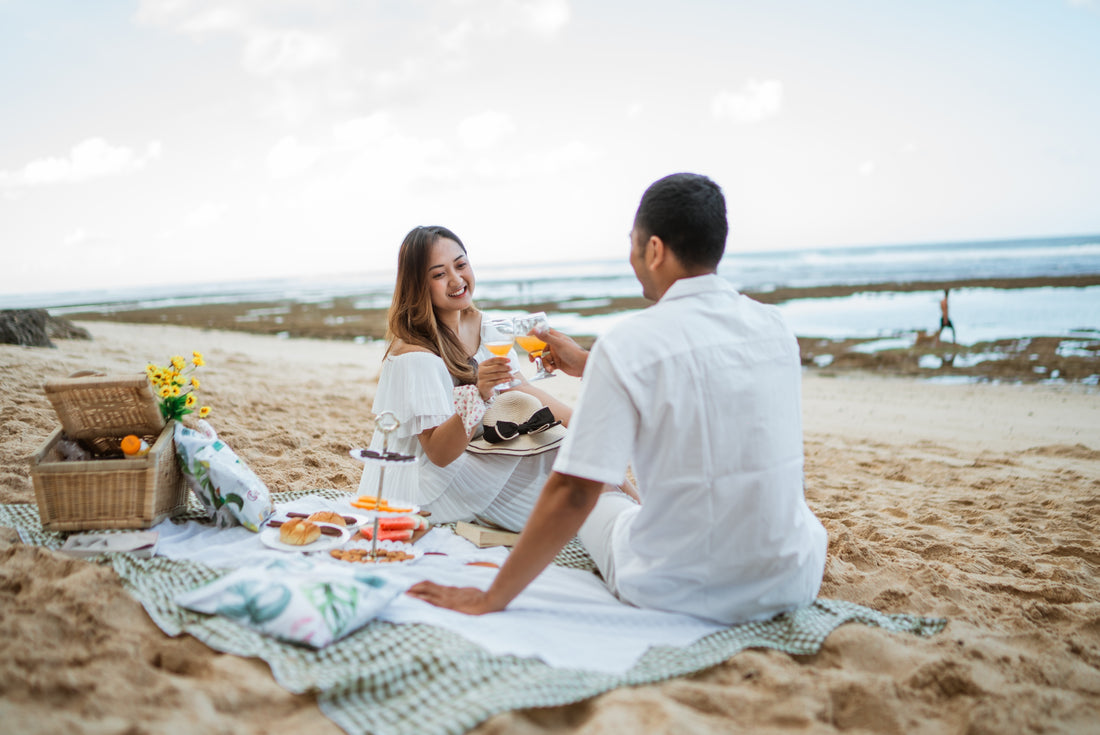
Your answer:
<point x="498" y="336"/>
<point x="531" y="344"/>
<point x="534" y="346"/>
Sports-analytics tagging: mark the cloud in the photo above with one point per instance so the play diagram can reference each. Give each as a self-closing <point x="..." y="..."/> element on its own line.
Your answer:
<point x="867" y="168"/>
<point x="371" y="145"/>
<point x="351" y="145"/>
<point x="289" y="158"/>
<point x="210" y="20"/>
<point x="274" y="52"/>
<point x="361" y="131"/>
<point x="569" y="155"/>
<point x="194" y="16"/>
<point x="545" y="17"/>
<point x="758" y="101"/>
<point x="77" y="237"/>
<point x="456" y="37"/>
<point x="89" y="159"/>
<point x="271" y="44"/>
<point x="485" y="130"/>
<point x="381" y="153"/>
<point x="204" y="215"/>
<point x="356" y="39"/>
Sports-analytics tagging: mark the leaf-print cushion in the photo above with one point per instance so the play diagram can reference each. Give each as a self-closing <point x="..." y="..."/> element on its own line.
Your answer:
<point x="228" y="489"/>
<point x="295" y="600"/>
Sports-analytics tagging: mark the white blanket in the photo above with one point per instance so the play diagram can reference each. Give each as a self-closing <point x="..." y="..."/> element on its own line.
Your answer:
<point x="566" y="617"/>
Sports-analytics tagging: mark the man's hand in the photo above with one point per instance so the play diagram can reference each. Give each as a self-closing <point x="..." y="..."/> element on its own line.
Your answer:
<point x="469" y="600"/>
<point x="562" y="506"/>
<point x="563" y="353"/>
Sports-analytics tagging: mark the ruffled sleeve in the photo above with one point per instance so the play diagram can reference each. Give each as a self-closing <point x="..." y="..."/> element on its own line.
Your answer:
<point x="417" y="388"/>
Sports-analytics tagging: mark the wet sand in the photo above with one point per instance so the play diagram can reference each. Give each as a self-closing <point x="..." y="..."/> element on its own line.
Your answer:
<point x="340" y="318"/>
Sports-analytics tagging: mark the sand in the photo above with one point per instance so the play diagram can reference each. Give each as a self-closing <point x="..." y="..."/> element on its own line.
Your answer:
<point x="974" y="502"/>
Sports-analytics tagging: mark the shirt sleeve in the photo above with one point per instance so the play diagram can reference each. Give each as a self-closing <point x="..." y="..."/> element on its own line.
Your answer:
<point x="417" y="389"/>
<point x="601" y="434"/>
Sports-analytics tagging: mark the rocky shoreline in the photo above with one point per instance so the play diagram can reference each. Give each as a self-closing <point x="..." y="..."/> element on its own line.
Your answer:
<point x="1011" y="360"/>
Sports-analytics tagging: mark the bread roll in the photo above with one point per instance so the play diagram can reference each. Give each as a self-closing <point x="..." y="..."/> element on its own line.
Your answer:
<point x="327" y="516"/>
<point x="299" y="532"/>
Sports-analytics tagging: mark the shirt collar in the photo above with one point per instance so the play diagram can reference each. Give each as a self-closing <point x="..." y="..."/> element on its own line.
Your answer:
<point x="697" y="285"/>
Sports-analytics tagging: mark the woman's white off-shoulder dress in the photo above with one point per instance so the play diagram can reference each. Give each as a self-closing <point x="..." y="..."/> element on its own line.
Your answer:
<point x="493" y="488"/>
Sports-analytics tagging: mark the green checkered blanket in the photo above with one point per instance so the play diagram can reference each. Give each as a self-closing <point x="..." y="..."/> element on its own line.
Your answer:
<point x="420" y="680"/>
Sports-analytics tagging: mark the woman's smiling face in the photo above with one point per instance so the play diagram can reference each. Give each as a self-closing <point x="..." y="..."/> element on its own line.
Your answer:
<point x="450" y="277"/>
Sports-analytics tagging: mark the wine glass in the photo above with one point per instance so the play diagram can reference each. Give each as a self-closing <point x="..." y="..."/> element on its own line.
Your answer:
<point x="531" y="343"/>
<point x="499" y="335"/>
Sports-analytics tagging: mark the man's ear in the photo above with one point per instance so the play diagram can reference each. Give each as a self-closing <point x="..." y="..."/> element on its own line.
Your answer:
<point x="655" y="252"/>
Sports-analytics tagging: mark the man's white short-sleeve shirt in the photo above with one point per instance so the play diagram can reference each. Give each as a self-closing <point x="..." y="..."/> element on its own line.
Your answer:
<point x="701" y="395"/>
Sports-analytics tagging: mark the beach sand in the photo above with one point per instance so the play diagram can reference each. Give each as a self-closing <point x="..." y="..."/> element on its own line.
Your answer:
<point x="974" y="502"/>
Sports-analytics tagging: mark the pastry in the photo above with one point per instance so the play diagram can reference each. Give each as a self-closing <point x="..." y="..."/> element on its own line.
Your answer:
<point x="327" y="516"/>
<point x="299" y="532"/>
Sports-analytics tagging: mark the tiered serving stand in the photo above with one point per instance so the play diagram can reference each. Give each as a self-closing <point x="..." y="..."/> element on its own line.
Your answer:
<point x="386" y="423"/>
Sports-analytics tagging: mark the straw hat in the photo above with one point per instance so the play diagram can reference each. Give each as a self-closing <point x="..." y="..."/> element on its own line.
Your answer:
<point x="517" y="424"/>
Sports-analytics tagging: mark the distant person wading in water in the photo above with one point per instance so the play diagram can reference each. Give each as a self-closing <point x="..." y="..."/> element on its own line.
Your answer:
<point x="945" y="318"/>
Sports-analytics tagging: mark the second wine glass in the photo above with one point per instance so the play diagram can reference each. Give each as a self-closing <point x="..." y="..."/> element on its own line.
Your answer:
<point x="530" y="342"/>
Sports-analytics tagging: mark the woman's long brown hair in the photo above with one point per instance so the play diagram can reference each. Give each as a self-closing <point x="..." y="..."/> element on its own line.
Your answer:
<point x="412" y="318"/>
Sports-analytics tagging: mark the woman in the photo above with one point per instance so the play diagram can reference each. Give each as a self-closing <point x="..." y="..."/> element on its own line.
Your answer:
<point x="436" y="361"/>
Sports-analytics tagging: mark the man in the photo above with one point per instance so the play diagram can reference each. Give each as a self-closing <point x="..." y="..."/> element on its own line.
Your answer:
<point x="945" y="318"/>
<point x="701" y="394"/>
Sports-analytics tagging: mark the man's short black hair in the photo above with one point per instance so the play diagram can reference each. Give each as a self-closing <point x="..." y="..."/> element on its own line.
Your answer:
<point x="688" y="213"/>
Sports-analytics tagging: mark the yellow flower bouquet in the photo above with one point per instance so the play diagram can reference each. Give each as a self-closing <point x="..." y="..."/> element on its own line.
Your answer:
<point x="175" y="386"/>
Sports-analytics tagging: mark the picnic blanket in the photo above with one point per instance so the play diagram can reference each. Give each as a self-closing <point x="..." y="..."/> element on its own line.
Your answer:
<point x="398" y="679"/>
<point x="565" y="617"/>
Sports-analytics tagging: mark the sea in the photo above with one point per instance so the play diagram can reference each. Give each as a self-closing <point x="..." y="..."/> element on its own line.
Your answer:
<point x="979" y="314"/>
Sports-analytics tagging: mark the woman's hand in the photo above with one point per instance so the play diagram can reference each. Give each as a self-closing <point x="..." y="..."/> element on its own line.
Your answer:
<point x="490" y="373"/>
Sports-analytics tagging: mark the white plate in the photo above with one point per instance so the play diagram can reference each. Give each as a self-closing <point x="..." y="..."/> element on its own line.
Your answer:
<point x="370" y="514"/>
<point x="360" y="519"/>
<point x="411" y="509"/>
<point x="270" y="538"/>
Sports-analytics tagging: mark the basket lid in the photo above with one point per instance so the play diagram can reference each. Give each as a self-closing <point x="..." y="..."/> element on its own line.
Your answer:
<point x="92" y="406"/>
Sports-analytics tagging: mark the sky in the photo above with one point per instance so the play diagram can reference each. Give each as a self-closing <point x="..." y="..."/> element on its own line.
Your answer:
<point x="175" y="142"/>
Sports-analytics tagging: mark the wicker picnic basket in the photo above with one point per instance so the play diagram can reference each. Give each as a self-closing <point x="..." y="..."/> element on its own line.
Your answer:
<point x="99" y="411"/>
